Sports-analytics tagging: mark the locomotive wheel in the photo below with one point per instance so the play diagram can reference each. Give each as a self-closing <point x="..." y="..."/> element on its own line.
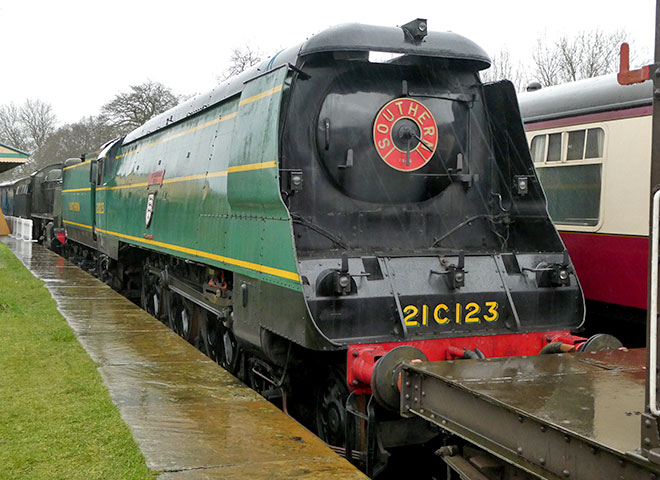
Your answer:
<point x="230" y="349"/>
<point x="212" y="338"/>
<point x="152" y="296"/>
<point x="181" y="317"/>
<point x="331" y="409"/>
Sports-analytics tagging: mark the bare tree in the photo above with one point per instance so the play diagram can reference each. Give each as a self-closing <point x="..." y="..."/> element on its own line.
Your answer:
<point x="26" y="127"/>
<point x="503" y="68"/>
<point x="585" y="55"/>
<point x="39" y="121"/>
<point x="241" y="59"/>
<point x="12" y="130"/>
<point x="131" y="109"/>
<point x="74" y="139"/>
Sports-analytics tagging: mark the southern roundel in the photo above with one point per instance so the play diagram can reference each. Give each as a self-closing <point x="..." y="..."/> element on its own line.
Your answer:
<point x="405" y="134"/>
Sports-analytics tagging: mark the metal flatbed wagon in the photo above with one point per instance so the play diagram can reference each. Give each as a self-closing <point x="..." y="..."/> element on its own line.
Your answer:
<point x="552" y="416"/>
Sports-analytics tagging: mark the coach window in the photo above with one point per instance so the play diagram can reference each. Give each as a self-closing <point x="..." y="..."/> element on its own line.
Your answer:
<point x="570" y="171"/>
<point x="554" y="147"/>
<point x="538" y="148"/>
<point x="594" y="149"/>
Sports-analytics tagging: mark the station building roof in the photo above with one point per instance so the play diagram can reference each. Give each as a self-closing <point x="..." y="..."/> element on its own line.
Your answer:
<point x="11" y="157"/>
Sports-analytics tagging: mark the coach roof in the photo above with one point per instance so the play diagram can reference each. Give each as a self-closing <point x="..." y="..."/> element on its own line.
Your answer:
<point x="598" y="94"/>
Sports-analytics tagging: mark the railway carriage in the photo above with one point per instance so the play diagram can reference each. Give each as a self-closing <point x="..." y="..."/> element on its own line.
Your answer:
<point x="328" y="214"/>
<point x="591" y="145"/>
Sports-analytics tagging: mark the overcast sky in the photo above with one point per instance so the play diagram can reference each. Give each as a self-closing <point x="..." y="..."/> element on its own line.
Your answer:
<point x="76" y="55"/>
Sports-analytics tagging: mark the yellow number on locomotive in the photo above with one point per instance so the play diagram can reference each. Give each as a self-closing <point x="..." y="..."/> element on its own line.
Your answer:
<point x="473" y="310"/>
<point x="468" y="314"/>
<point x="493" y="313"/>
<point x="410" y="313"/>
<point x="440" y="310"/>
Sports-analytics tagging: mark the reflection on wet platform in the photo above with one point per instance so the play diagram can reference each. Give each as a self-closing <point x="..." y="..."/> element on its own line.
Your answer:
<point x="190" y="418"/>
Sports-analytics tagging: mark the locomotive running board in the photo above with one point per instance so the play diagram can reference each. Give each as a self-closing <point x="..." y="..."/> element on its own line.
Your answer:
<point x="553" y="416"/>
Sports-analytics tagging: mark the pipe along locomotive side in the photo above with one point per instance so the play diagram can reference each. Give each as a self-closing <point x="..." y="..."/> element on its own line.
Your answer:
<point x="325" y="216"/>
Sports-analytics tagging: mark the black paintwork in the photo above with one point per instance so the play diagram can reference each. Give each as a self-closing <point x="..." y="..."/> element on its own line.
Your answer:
<point x="413" y="223"/>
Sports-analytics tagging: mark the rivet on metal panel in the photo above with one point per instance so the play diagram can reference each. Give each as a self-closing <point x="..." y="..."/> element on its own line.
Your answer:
<point x="444" y="422"/>
<point x="567" y="439"/>
<point x="519" y="450"/>
<point x="542" y="461"/>
<point x="566" y="473"/>
<point x="543" y="428"/>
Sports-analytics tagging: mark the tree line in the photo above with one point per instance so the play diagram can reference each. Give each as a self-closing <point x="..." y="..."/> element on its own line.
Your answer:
<point x="586" y="54"/>
<point x="32" y="126"/>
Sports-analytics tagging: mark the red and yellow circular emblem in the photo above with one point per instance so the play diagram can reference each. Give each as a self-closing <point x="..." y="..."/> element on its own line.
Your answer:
<point x="405" y="134"/>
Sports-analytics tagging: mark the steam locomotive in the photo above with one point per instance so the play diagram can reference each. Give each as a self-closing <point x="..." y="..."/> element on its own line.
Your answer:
<point x="353" y="202"/>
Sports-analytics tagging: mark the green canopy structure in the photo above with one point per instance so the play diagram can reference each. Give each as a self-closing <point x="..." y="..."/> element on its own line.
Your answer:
<point x="11" y="157"/>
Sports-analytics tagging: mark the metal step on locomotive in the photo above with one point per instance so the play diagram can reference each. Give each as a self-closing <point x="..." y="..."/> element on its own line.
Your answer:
<point x="355" y="201"/>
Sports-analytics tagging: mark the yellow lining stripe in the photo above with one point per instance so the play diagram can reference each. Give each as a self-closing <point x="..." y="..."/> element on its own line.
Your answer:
<point x="78" y="164"/>
<point x="229" y="116"/>
<point x="223" y="173"/>
<point x="77" y="224"/>
<point x="252" y="166"/>
<point x="119" y="187"/>
<point x="231" y="261"/>
<point x="261" y="95"/>
<point x="69" y="190"/>
<point x="181" y="134"/>
<point x="195" y="177"/>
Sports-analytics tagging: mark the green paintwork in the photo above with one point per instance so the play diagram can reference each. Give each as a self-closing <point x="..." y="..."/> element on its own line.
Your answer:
<point x="238" y="215"/>
<point x="77" y="178"/>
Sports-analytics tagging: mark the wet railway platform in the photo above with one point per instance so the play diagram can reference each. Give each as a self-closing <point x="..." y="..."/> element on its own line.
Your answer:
<point x="189" y="417"/>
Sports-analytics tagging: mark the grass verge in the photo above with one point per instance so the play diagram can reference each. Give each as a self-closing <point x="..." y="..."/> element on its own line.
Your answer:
<point x="57" y="420"/>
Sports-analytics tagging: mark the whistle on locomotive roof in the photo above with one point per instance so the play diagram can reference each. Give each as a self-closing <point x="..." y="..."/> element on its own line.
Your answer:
<point x="415" y="31"/>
